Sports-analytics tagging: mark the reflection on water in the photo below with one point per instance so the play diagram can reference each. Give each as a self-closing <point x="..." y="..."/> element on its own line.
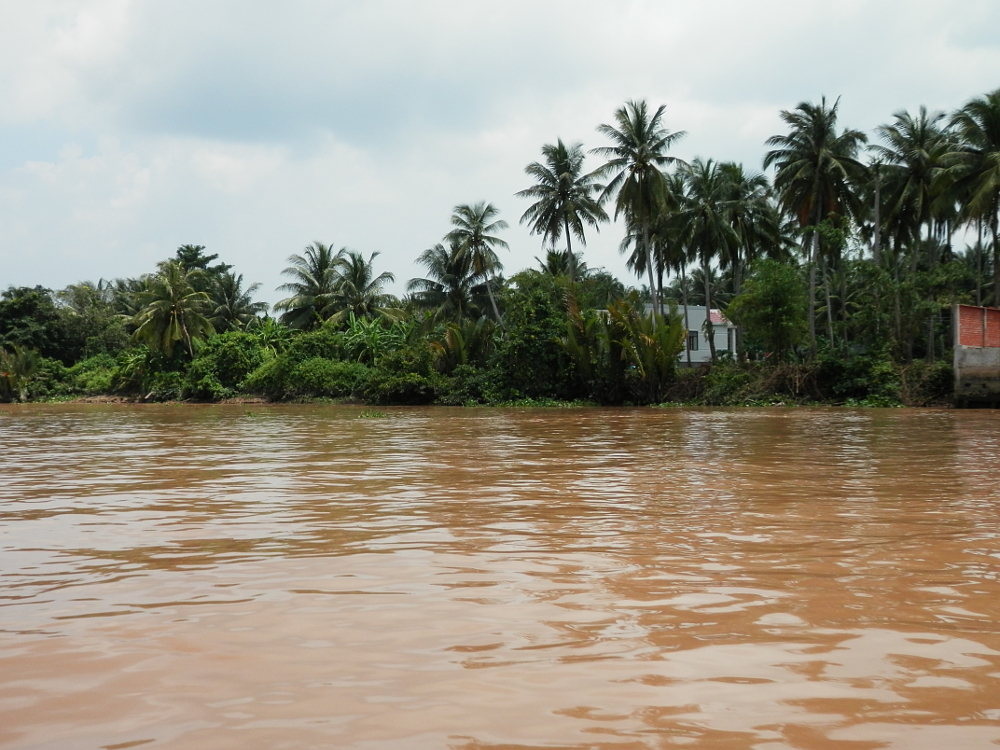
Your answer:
<point x="297" y="577"/>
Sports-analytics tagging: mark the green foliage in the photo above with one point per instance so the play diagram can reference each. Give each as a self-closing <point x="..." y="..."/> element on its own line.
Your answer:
<point x="95" y="375"/>
<point x="529" y="360"/>
<point x="17" y="368"/>
<point x="405" y="376"/>
<point x="366" y="340"/>
<point x="325" y="342"/>
<point x="329" y="379"/>
<point x="468" y="343"/>
<point x="772" y="308"/>
<point x="222" y="365"/>
<point x="29" y="319"/>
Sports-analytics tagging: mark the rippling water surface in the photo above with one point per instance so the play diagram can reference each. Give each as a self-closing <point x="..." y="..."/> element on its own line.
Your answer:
<point x="301" y="577"/>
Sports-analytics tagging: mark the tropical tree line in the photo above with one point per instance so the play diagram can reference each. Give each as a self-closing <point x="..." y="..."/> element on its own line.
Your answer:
<point x="845" y="250"/>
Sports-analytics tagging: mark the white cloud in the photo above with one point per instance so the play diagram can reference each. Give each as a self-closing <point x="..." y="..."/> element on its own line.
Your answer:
<point x="253" y="128"/>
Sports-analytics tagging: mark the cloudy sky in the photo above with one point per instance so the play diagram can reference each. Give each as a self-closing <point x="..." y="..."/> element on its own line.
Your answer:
<point x="128" y="128"/>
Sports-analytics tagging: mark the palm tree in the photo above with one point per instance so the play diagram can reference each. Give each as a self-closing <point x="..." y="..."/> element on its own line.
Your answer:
<point x="757" y="223"/>
<point x="172" y="310"/>
<point x="910" y="156"/>
<point x="357" y="290"/>
<point x="232" y="306"/>
<point x="705" y="226"/>
<point x="815" y="170"/>
<point x="975" y="169"/>
<point x="473" y="232"/>
<point x="563" y="263"/>
<point x="634" y="165"/>
<point x="565" y="198"/>
<point x="452" y="285"/>
<point x="314" y="278"/>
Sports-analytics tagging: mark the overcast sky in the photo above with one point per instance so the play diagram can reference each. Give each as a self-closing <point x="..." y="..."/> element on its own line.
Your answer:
<point x="254" y="128"/>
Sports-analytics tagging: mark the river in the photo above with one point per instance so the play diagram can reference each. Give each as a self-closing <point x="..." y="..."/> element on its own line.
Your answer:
<point x="481" y="579"/>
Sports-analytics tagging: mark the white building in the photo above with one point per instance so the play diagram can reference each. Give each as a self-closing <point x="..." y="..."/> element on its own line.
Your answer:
<point x="697" y="338"/>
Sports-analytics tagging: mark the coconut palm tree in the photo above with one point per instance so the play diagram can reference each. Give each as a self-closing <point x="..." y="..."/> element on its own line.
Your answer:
<point x="634" y="165"/>
<point x="565" y="198"/>
<point x="232" y="305"/>
<point x="816" y="169"/>
<point x="910" y="156"/>
<point x="474" y="230"/>
<point x="757" y="223"/>
<point x="314" y="277"/>
<point x="172" y="310"/>
<point x="358" y="291"/>
<point x="974" y="169"/>
<point x="705" y="228"/>
<point x="452" y="286"/>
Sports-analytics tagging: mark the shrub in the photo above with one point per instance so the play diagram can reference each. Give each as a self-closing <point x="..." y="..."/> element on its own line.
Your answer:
<point x="406" y="376"/>
<point x="94" y="375"/>
<point x="329" y="378"/>
<point x="222" y="365"/>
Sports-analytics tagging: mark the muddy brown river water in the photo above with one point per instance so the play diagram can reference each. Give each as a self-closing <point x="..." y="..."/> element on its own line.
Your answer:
<point x="205" y="577"/>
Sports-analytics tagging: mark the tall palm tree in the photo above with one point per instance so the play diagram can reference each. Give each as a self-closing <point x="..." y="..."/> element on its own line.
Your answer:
<point x="705" y="225"/>
<point x="635" y="161"/>
<point x="357" y="290"/>
<point x="452" y="284"/>
<point x="232" y="305"/>
<point x="757" y="223"/>
<point x="816" y="168"/>
<point x="474" y="230"/>
<point x="172" y="310"/>
<point x="975" y="169"/>
<point x="565" y="197"/>
<point x="911" y="156"/>
<point x="314" y="278"/>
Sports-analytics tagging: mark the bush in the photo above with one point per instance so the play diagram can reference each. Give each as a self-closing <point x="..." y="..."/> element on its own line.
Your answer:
<point x="95" y="375"/>
<point x="329" y="378"/>
<point x="406" y="376"/>
<point x="222" y="365"/>
<point x="273" y="379"/>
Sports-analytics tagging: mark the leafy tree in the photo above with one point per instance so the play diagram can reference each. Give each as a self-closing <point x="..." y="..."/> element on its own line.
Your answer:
<point x="193" y="258"/>
<point x="816" y="170"/>
<point x="29" y="319"/>
<point x="314" y="277"/>
<point x="634" y="165"/>
<point x="565" y="198"/>
<point x="772" y="307"/>
<point x="223" y="364"/>
<point x="474" y="228"/>
<point x="172" y="311"/>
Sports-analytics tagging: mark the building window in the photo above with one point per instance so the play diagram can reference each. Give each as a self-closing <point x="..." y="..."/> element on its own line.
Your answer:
<point x="692" y="341"/>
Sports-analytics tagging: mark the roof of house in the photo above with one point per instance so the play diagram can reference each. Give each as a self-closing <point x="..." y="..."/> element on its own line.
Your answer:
<point x="718" y="318"/>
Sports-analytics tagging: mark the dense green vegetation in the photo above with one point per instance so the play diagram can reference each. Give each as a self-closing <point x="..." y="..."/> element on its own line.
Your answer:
<point x="839" y="272"/>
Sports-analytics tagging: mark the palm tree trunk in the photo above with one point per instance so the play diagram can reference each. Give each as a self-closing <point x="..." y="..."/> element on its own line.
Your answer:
<point x="996" y="263"/>
<point x="687" y="325"/>
<point x="569" y="251"/>
<point x="709" y="328"/>
<point x="829" y="304"/>
<point x="737" y="288"/>
<point x="877" y="238"/>
<point x="814" y="253"/>
<point x="649" y="269"/>
<point x="496" y="311"/>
